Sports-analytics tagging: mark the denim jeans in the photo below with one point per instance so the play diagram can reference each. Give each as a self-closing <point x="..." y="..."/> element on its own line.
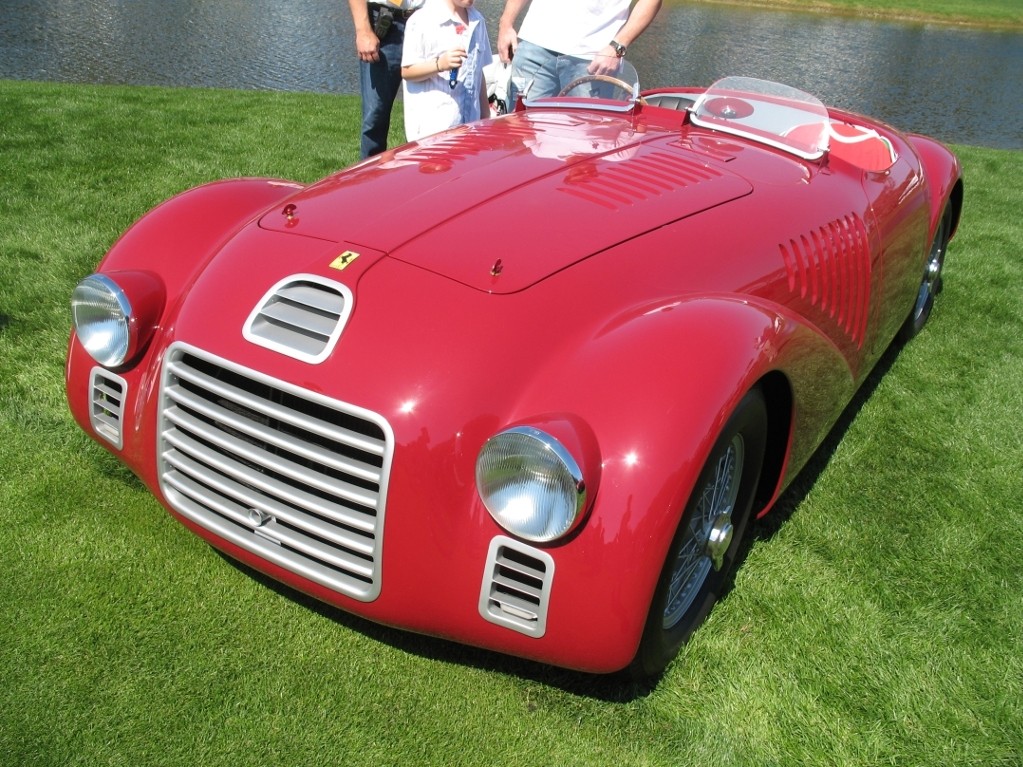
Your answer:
<point x="538" y="72"/>
<point x="531" y="66"/>
<point x="379" y="83"/>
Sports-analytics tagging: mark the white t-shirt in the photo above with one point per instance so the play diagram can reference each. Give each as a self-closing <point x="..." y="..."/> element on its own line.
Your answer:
<point x="432" y="105"/>
<point x="573" y="27"/>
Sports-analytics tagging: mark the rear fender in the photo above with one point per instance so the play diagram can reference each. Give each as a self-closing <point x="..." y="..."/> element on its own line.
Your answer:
<point x="944" y="178"/>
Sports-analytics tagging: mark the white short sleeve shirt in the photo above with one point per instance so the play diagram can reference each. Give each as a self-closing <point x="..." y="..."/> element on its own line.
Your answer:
<point x="573" y="27"/>
<point x="433" y="105"/>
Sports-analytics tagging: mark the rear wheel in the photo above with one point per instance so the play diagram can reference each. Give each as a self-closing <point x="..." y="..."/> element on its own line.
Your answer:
<point x="708" y="539"/>
<point x="930" y="285"/>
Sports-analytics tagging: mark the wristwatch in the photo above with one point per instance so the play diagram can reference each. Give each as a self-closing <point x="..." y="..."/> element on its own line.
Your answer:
<point x="619" y="48"/>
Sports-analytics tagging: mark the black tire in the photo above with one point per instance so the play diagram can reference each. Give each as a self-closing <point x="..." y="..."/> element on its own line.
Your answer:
<point x="677" y="609"/>
<point x="930" y="285"/>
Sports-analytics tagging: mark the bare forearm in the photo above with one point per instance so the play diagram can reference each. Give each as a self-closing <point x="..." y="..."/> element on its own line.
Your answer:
<point x="421" y="70"/>
<point x="643" y="12"/>
<point x="507" y="37"/>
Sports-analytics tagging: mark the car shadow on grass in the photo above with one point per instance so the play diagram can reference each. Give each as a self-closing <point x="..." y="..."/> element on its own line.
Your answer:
<point x="608" y="688"/>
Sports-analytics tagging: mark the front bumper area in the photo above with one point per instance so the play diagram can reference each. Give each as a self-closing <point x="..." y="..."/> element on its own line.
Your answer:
<point x="322" y="496"/>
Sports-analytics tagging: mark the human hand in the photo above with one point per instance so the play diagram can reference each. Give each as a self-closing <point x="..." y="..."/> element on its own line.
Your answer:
<point x="367" y="45"/>
<point x="604" y="63"/>
<point x="453" y="59"/>
<point x="507" y="42"/>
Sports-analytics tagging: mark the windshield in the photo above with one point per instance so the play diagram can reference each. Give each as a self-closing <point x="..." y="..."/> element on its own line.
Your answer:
<point x="610" y="81"/>
<point x="771" y="113"/>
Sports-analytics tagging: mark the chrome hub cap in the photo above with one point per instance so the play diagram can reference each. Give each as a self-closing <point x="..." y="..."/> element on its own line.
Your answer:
<point x="719" y="539"/>
<point x="708" y="535"/>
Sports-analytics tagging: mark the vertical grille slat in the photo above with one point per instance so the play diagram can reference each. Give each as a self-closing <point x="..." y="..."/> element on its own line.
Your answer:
<point x="286" y="474"/>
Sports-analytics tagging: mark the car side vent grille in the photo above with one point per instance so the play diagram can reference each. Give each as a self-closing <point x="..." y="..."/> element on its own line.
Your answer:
<point x="830" y="268"/>
<point x="517" y="586"/>
<point x="302" y="317"/>
<point x="616" y="185"/>
<point x="106" y="405"/>
<point x="293" y="477"/>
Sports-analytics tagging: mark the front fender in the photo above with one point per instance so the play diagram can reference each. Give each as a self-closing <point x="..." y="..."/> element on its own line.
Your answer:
<point x="171" y="244"/>
<point x="179" y="236"/>
<point x="656" y="386"/>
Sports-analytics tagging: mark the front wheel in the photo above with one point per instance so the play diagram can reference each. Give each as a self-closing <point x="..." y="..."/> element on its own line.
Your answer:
<point x="704" y="549"/>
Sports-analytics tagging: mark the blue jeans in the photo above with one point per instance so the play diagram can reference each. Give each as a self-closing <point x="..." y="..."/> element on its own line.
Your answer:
<point x="379" y="83"/>
<point x="530" y="66"/>
<point x="539" y="72"/>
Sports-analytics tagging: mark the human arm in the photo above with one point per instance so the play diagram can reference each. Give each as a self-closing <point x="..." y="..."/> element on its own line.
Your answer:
<point x="507" y="37"/>
<point x="642" y="13"/>
<point x="428" y="67"/>
<point x="367" y="44"/>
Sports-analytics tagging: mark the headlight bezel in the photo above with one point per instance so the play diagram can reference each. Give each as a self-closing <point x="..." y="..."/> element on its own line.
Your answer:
<point x="114" y="315"/>
<point x="523" y="468"/>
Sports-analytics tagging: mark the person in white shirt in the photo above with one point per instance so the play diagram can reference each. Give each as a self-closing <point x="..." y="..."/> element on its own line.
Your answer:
<point x="599" y="30"/>
<point x="446" y="48"/>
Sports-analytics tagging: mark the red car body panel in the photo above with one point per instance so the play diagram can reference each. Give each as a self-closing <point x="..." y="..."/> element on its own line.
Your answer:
<point x="621" y="281"/>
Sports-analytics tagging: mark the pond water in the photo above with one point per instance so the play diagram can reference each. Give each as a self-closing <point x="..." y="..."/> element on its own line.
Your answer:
<point x="959" y="85"/>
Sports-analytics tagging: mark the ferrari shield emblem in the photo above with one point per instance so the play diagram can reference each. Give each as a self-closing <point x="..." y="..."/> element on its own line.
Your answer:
<point x="344" y="260"/>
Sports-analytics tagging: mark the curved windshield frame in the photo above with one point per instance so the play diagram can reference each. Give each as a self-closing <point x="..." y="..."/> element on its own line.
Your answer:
<point x="767" y="112"/>
<point x="595" y="82"/>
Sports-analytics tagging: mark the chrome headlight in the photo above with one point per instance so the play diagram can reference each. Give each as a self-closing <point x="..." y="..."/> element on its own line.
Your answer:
<point x="114" y="319"/>
<point x="102" y="317"/>
<point x="530" y="484"/>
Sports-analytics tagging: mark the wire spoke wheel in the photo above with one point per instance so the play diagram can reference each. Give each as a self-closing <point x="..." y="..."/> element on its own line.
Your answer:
<point x="707" y="540"/>
<point x="697" y="555"/>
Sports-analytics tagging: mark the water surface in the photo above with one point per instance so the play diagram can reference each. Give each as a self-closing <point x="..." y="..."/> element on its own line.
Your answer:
<point x="958" y="85"/>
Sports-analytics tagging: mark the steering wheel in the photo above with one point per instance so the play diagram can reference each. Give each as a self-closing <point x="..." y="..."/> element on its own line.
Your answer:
<point x="601" y="79"/>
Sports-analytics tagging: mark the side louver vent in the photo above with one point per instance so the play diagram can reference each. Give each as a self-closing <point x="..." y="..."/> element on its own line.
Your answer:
<point x="517" y="586"/>
<point x="106" y="405"/>
<point x="302" y="317"/>
<point x="830" y="268"/>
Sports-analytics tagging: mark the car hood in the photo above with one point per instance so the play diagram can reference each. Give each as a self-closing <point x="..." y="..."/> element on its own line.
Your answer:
<point x="502" y="204"/>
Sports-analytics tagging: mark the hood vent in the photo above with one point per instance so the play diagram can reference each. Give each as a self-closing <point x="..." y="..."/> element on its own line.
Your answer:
<point x="614" y="185"/>
<point x="302" y="317"/>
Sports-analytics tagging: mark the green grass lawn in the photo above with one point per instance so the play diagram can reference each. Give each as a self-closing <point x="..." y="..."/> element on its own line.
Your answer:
<point x="1007" y="14"/>
<point x="878" y="619"/>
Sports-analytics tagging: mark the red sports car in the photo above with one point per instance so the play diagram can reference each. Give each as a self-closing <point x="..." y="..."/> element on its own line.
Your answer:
<point x="524" y="383"/>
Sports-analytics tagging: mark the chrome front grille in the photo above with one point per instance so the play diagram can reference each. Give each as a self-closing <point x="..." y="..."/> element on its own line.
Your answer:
<point x="289" y="475"/>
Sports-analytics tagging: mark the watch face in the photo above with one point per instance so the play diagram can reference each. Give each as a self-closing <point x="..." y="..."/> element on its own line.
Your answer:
<point x="619" y="48"/>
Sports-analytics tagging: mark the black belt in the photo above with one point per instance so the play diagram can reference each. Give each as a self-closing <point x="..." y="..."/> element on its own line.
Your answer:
<point x="398" y="13"/>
